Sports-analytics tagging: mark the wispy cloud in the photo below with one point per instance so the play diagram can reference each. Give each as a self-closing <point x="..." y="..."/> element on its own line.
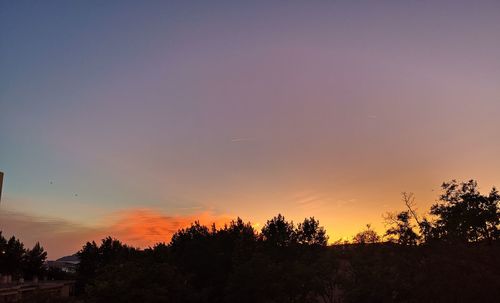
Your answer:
<point x="342" y="202"/>
<point x="242" y="139"/>
<point x="58" y="236"/>
<point x="309" y="200"/>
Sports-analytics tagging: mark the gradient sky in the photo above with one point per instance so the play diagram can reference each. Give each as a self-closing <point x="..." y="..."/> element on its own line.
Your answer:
<point x="134" y="118"/>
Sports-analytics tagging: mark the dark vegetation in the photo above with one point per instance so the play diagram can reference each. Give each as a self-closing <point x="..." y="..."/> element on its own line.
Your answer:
<point x="451" y="255"/>
<point x="20" y="262"/>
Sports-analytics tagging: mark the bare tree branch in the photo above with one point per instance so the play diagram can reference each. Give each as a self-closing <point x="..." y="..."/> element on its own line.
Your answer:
<point x="409" y="199"/>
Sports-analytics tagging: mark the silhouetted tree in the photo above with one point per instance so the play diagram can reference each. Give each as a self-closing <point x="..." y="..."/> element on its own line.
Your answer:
<point x="310" y="232"/>
<point x="13" y="257"/>
<point x="367" y="236"/>
<point x="195" y="232"/>
<point x="401" y="230"/>
<point x="279" y="232"/>
<point x="20" y="262"/>
<point x="34" y="261"/>
<point x="89" y="263"/>
<point x="94" y="258"/>
<point x="196" y="252"/>
<point x="465" y="215"/>
<point x="240" y="230"/>
<point x="3" y="252"/>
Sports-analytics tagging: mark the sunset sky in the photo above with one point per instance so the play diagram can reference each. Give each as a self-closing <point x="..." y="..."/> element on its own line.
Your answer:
<point x="134" y="118"/>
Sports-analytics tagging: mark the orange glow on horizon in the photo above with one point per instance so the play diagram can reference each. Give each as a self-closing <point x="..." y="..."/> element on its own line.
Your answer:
<point x="147" y="227"/>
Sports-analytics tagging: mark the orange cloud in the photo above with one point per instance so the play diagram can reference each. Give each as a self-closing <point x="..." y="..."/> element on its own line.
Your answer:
<point x="136" y="227"/>
<point x="146" y="227"/>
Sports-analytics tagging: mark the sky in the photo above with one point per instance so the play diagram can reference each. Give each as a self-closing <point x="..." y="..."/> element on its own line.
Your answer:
<point x="135" y="118"/>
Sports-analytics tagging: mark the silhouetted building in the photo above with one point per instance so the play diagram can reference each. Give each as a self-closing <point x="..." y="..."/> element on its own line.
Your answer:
<point x="1" y="182"/>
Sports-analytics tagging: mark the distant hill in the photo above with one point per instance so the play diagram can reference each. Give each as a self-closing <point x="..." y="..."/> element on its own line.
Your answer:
<point x="72" y="258"/>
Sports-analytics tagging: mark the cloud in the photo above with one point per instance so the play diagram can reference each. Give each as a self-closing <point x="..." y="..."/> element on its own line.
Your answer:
<point x="242" y="139"/>
<point x="342" y="202"/>
<point x="136" y="227"/>
<point x="58" y="236"/>
<point x="145" y="227"/>
<point x="309" y="200"/>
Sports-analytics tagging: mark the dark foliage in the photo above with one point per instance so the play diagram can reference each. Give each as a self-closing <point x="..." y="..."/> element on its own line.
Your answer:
<point x="465" y="215"/>
<point x="20" y="262"/>
<point x="401" y="230"/>
<point x="452" y="256"/>
<point x="388" y="272"/>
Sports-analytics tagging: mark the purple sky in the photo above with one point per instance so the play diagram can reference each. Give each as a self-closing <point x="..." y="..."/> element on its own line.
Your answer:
<point x="173" y="110"/>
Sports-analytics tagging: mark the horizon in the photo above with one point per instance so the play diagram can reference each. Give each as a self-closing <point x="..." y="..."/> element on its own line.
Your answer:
<point x="145" y="229"/>
<point x="134" y="120"/>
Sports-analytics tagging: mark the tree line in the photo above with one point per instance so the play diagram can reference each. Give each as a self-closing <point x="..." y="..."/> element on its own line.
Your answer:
<point x="448" y="255"/>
